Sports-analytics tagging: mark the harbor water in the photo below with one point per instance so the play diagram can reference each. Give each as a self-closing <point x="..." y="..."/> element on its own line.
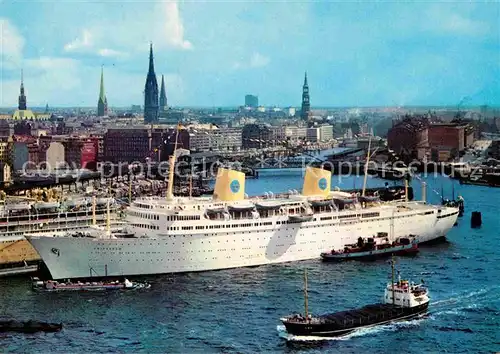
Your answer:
<point x="238" y="310"/>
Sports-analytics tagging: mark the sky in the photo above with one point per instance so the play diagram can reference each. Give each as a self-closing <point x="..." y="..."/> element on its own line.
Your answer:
<point x="213" y="53"/>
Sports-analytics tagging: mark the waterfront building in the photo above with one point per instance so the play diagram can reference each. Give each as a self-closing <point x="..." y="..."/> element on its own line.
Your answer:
<point x="251" y="101"/>
<point x="446" y="140"/>
<point x="313" y="135"/>
<point x="409" y="137"/>
<point x="306" y="105"/>
<point x="102" y="103"/>
<point x="294" y="133"/>
<point x="151" y="92"/>
<point x="208" y="137"/>
<point x="326" y="132"/>
<point x="494" y="150"/>
<point x="4" y="128"/>
<point x="126" y="145"/>
<point x="256" y="136"/>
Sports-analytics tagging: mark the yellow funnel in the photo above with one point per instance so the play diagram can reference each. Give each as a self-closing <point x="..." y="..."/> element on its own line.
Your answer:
<point x="229" y="185"/>
<point x="317" y="182"/>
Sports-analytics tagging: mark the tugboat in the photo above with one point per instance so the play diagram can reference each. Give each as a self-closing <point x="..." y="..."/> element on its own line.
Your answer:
<point x="52" y="285"/>
<point x="402" y="301"/>
<point x="373" y="248"/>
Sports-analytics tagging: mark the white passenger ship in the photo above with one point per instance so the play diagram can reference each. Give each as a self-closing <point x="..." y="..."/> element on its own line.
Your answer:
<point x="170" y="235"/>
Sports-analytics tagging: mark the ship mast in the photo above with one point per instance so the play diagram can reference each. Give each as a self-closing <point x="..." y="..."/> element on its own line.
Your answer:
<point x="108" y="221"/>
<point x="171" y="167"/>
<point x="93" y="210"/>
<point x="129" y="188"/>
<point x="190" y="186"/>
<point x="392" y="282"/>
<point x="305" y="294"/>
<point x="366" y="164"/>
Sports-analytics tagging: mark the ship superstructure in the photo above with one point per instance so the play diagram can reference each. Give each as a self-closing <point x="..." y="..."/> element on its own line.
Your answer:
<point x="30" y="215"/>
<point x="197" y="234"/>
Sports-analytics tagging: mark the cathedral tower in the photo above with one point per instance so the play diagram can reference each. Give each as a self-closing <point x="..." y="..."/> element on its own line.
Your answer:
<point x="163" y="95"/>
<point x="102" y="103"/>
<point x="306" y="105"/>
<point x="151" y="92"/>
<point x="22" y="96"/>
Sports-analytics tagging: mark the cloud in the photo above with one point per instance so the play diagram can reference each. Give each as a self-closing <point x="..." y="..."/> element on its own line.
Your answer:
<point x="173" y="26"/>
<point x="45" y="80"/>
<point x="257" y="60"/>
<point x="459" y="24"/>
<point x="443" y="20"/>
<point x="162" y="24"/>
<point x="106" y="52"/>
<point x="84" y="42"/>
<point x="11" y="44"/>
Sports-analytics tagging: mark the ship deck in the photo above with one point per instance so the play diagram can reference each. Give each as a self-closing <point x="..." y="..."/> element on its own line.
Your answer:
<point x="365" y="314"/>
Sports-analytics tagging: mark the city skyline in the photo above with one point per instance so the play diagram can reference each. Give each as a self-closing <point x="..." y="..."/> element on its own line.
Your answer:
<point x="391" y="55"/>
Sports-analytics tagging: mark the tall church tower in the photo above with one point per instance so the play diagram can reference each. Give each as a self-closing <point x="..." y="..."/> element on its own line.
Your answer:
<point x="306" y="105"/>
<point x="22" y="96"/>
<point x="102" y="103"/>
<point x="163" y="95"/>
<point x="151" y="92"/>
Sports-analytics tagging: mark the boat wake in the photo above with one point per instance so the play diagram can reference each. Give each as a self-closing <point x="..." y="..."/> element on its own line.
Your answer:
<point x="396" y="326"/>
<point x="467" y="301"/>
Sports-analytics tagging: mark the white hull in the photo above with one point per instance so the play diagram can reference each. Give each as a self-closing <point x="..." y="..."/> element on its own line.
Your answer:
<point x="259" y="242"/>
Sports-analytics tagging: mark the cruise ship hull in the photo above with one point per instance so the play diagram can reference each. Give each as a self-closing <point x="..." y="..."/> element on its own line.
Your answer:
<point x="256" y="242"/>
<point x="15" y="249"/>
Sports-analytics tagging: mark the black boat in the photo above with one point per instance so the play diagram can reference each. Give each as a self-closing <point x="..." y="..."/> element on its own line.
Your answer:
<point x="28" y="326"/>
<point x="402" y="301"/>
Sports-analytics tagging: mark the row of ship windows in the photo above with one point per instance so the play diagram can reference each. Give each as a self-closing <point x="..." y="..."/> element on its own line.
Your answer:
<point x="145" y="216"/>
<point x="146" y="226"/>
<point x="176" y="228"/>
<point x="169" y="217"/>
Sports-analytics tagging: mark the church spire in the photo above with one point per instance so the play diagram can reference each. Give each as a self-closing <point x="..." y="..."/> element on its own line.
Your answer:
<point x="306" y="105"/>
<point x="163" y="95"/>
<point x="151" y="92"/>
<point x="22" y="96"/>
<point x="151" y="61"/>
<point x="102" y="103"/>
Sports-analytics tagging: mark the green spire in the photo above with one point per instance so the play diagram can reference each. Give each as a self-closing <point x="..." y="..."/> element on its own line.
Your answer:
<point x="102" y="96"/>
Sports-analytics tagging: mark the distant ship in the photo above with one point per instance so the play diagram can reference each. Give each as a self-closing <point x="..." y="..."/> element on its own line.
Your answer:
<point x="402" y="301"/>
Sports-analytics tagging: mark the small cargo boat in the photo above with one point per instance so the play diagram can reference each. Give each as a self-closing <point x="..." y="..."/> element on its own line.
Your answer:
<point x="28" y="326"/>
<point x="373" y="248"/>
<point x="402" y="301"/>
<point x="52" y="285"/>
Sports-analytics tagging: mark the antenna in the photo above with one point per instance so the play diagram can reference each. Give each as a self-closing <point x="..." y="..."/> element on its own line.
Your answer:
<point x="305" y="294"/>
<point x="392" y="283"/>
<point x="170" y="194"/>
<point x="93" y="210"/>
<point x="366" y="164"/>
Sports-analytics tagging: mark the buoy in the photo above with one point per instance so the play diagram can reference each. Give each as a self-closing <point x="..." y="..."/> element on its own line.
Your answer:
<point x="476" y="219"/>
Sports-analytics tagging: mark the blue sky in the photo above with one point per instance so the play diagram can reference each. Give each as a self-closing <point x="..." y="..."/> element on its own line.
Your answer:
<point x="213" y="53"/>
